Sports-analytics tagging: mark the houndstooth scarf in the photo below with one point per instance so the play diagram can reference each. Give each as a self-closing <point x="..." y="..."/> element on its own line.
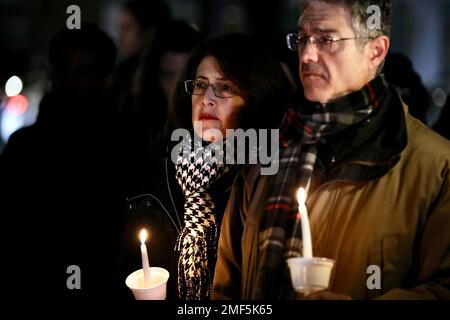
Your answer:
<point x="280" y="230"/>
<point x="197" y="168"/>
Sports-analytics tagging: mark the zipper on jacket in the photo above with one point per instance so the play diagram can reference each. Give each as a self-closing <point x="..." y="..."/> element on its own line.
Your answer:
<point x="170" y="194"/>
<point x="161" y="205"/>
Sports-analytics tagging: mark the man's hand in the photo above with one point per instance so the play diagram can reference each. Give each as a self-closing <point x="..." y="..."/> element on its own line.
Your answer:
<point x="327" y="295"/>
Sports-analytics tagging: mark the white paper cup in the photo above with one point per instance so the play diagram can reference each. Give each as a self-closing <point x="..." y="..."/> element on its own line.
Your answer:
<point x="309" y="275"/>
<point x="157" y="288"/>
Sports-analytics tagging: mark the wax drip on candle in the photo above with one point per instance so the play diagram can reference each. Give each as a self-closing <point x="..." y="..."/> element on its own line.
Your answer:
<point x="145" y="264"/>
<point x="304" y="219"/>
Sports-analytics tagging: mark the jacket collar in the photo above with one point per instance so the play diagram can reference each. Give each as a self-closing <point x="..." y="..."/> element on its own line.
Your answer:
<point x="369" y="150"/>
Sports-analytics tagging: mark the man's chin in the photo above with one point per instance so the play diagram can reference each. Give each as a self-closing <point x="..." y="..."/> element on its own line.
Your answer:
<point x="315" y="96"/>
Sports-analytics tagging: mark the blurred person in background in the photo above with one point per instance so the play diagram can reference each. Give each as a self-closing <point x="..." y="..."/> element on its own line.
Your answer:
<point x="145" y="110"/>
<point x="137" y="23"/>
<point x="442" y="126"/>
<point x="60" y="183"/>
<point x="399" y="71"/>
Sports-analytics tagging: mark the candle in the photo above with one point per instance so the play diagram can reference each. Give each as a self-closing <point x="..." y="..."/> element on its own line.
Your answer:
<point x="306" y="231"/>
<point x="145" y="264"/>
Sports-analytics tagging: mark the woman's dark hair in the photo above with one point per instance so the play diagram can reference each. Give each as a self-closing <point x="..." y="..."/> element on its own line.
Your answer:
<point x="251" y="67"/>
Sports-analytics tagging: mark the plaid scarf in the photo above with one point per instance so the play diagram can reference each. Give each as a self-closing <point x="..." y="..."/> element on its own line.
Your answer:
<point x="280" y="230"/>
<point x="196" y="169"/>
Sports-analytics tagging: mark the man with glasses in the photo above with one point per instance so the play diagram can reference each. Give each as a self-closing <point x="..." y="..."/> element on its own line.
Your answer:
<point x="377" y="180"/>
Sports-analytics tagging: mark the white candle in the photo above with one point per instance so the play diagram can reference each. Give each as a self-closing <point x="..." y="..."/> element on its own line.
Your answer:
<point x="306" y="231"/>
<point x="145" y="264"/>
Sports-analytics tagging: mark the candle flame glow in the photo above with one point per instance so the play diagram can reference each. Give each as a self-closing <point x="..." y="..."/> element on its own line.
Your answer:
<point x="143" y="235"/>
<point x="301" y="196"/>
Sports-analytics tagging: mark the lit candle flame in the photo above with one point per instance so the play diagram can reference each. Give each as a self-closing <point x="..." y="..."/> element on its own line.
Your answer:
<point x="143" y="235"/>
<point x="301" y="196"/>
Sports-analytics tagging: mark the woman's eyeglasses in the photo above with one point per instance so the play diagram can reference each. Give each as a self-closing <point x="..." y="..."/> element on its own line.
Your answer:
<point x="198" y="88"/>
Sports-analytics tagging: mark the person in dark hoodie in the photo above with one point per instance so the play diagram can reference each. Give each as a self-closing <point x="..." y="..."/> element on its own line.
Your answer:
<point x="59" y="177"/>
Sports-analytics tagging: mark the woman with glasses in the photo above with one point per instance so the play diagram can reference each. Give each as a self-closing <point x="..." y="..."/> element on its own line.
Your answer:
<point x="229" y="82"/>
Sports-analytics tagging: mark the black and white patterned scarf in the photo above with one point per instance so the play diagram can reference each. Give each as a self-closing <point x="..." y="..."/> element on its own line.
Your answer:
<point x="197" y="168"/>
<point x="280" y="231"/>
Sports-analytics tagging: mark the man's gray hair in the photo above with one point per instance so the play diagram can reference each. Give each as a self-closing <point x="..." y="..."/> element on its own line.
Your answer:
<point x="358" y="11"/>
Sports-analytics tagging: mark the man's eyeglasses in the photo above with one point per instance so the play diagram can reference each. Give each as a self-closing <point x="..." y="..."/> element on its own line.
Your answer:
<point x="198" y="88"/>
<point x="325" y="43"/>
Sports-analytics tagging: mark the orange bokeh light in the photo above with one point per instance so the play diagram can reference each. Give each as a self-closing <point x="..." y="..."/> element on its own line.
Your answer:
<point x="17" y="105"/>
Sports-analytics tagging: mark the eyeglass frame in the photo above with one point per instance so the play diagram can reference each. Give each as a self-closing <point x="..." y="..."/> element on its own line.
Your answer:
<point x="208" y="85"/>
<point x="314" y="42"/>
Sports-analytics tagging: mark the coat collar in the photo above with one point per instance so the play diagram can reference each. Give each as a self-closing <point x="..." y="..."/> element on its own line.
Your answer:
<point x="368" y="151"/>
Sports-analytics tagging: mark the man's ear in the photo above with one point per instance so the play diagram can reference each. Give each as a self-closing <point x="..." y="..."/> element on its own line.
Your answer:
<point x="378" y="49"/>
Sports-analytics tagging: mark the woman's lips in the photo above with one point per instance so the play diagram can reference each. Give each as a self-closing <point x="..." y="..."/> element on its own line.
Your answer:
<point x="207" y="116"/>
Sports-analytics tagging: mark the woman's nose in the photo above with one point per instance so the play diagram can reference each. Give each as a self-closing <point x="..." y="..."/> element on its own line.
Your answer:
<point x="209" y="98"/>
